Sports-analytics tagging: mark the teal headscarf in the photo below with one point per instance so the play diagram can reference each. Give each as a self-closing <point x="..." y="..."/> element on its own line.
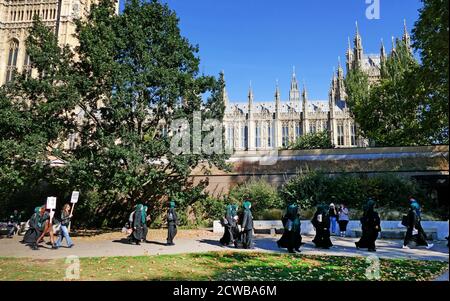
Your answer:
<point x="247" y="205"/>
<point x="415" y="206"/>
<point x="37" y="209"/>
<point x="140" y="209"/>
<point x="234" y="209"/>
<point x="230" y="210"/>
<point x="369" y="205"/>
<point x="172" y="204"/>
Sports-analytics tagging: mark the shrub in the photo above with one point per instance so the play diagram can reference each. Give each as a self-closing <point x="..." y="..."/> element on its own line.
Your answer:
<point x="389" y="190"/>
<point x="262" y="194"/>
<point x="318" y="140"/>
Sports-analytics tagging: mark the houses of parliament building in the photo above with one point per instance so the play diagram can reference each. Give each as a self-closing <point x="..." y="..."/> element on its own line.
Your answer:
<point x="248" y="126"/>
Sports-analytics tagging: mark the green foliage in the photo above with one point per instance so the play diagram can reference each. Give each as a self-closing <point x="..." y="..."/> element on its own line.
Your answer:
<point x="318" y="140"/>
<point x="133" y="74"/>
<point x="261" y="194"/>
<point x="409" y="106"/>
<point x="389" y="191"/>
<point x="431" y="40"/>
<point x="389" y="112"/>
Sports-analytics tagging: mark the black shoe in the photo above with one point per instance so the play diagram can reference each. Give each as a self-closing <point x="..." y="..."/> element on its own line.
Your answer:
<point x="372" y="250"/>
<point x="55" y="247"/>
<point x="70" y="246"/>
<point x="138" y="243"/>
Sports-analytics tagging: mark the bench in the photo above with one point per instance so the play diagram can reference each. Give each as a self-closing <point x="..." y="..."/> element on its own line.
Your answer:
<point x="398" y="233"/>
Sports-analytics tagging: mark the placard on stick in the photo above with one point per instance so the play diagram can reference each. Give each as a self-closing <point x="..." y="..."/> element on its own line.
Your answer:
<point x="51" y="203"/>
<point x="75" y="196"/>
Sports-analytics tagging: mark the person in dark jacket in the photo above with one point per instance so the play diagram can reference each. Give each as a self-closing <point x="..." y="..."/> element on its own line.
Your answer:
<point x="35" y="230"/>
<point x="147" y="218"/>
<point x="172" y="222"/>
<point x="321" y="222"/>
<point x="137" y="223"/>
<point x="370" y="224"/>
<point x="13" y="223"/>
<point x="247" y="226"/>
<point x="414" y="230"/>
<point x="47" y="222"/>
<point x="65" y="221"/>
<point x="230" y="224"/>
<point x="291" y="238"/>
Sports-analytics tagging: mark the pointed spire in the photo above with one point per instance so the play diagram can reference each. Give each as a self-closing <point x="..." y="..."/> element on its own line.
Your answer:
<point x="305" y="92"/>
<point x="406" y="37"/>
<point x="349" y="44"/>
<point x="294" y="92"/>
<point x="277" y="91"/>
<point x="358" y="46"/>
<point x="382" y="51"/>
<point x="394" y="48"/>
<point x="224" y="92"/>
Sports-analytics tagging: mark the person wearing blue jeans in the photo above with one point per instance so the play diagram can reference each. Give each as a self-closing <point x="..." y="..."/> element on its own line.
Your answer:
<point x="65" y="220"/>
<point x="333" y="218"/>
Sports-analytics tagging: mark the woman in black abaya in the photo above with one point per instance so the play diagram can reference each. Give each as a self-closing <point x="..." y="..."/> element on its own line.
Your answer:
<point x="370" y="224"/>
<point x="291" y="238"/>
<point x="321" y="222"/>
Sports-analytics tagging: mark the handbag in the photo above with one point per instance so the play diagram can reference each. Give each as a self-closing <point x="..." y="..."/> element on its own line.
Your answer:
<point x="405" y="220"/>
<point x="289" y="225"/>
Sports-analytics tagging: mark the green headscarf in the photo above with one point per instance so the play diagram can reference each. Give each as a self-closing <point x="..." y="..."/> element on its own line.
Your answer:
<point x="369" y="205"/>
<point x="230" y="210"/>
<point x="234" y="209"/>
<point x="247" y="205"/>
<point x="140" y="209"/>
<point x="172" y="204"/>
<point x="37" y="209"/>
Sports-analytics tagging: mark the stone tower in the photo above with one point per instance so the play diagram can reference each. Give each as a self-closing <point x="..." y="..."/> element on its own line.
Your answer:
<point x="16" y="18"/>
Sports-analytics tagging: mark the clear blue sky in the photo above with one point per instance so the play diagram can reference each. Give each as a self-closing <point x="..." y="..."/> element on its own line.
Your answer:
<point x="260" y="40"/>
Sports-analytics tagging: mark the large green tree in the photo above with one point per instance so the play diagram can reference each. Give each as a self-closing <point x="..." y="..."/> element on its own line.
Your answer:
<point x="409" y="106"/>
<point x="132" y="76"/>
<point x="431" y="40"/>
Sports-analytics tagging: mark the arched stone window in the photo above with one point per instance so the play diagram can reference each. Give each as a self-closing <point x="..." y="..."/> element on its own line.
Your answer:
<point x="12" y="60"/>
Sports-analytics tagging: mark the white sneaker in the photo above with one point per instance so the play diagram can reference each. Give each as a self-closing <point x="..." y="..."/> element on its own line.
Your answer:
<point x="429" y="246"/>
<point x="405" y="247"/>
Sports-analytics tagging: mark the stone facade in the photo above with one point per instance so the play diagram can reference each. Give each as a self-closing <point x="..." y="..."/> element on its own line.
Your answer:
<point x="275" y="124"/>
<point x="16" y="17"/>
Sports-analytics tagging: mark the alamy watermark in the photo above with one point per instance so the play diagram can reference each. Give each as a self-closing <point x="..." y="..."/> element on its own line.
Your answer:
<point x="373" y="9"/>
<point x="373" y="271"/>
<point x="73" y="269"/>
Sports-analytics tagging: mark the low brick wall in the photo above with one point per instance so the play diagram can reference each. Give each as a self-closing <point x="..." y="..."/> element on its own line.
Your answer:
<point x="441" y="227"/>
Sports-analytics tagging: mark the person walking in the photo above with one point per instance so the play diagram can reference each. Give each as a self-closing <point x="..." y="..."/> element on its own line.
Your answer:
<point x="333" y="215"/>
<point x="14" y="223"/>
<point x="343" y="219"/>
<point x="415" y="232"/>
<point x="229" y="224"/>
<point x="147" y="219"/>
<point x="172" y="222"/>
<point x="321" y="222"/>
<point x="137" y="221"/>
<point x="370" y="223"/>
<point x="247" y="226"/>
<point x="291" y="238"/>
<point x="64" y="233"/>
<point x="35" y="229"/>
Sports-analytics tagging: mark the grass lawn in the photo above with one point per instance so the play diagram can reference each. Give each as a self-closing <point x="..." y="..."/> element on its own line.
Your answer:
<point x="222" y="266"/>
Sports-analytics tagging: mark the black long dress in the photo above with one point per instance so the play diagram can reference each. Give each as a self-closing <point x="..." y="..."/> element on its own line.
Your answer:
<point x="172" y="221"/>
<point x="34" y="232"/>
<point x="322" y="238"/>
<point x="370" y="228"/>
<point x="414" y="222"/>
<point x="231" y="232"/>
<point x="291" y="238"/>
<point x="138" y="227"/>
<point x="247" y="227"/>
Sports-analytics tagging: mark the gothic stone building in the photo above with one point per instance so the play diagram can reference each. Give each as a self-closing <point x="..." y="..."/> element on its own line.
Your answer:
<point x="16" y="17"/>
<point x="275" y="124"/>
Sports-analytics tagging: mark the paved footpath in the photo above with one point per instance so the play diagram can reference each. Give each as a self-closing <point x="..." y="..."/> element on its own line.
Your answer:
<point x="263" y="243"/>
